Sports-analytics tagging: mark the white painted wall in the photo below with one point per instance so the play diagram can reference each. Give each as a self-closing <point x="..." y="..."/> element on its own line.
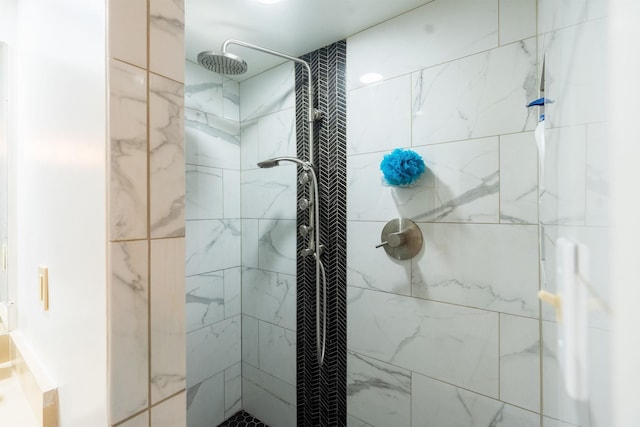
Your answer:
<point x="625" y="208"/>
<point x="60" y="153"/>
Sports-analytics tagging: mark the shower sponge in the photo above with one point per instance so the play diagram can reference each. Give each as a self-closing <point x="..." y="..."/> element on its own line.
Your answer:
<point x="402" y="167"/>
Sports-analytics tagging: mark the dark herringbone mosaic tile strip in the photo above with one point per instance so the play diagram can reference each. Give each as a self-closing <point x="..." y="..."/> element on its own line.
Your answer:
<point x="322" y="392"/>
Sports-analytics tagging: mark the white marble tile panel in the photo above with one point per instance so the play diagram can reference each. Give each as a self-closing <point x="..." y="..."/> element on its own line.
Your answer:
<point x="277" y="245"/>
<point x="467" y="178"/>
<point x="481" y="95"/>
<point x="250" y="237"/>
<point x="277" y="352"/>
<point x="267" y="398"/>
<point x="231" y="99"/>
<point x="128" y="329"/>
<point x="232" y="292"/>
<point x="443" y="405"/>
<point x="127" y="152"/>
<point x="170" y="413"/>
<point x="269" y="296"/>
<point x="377" y="392"/>
<point x="487" y="266"/>
<point x="550" y="422"/>
<point x="205" y="299"/>
<point x="232" y="196"/>
<point x="249" y="146"/>
<point x="166" y="38"/>
<point x="597" y="9"/>
<point x="204" y="193"/>
<point x="269" y="193"/>
<point x="576" y="74"/>
<point x="212" y="245"/>
<point x="563" y="197"/>
<point x="556" y="403"/>
<point x="517" y="20"/>
<point x="431" y="34"/>
<point x="518" y="179"/>
<point x="213" y="349"/>
<point x="141" y="420"/>
<point x="370" y="267"/>
<point x="232" y="390"/>
<point x="600" y="380"/>
<point x="452" y="343"/>
<point x="128" y="31"/>
<point x="205" y="402"/>
<point x="167" y="289"/>
<point x="520" y="362"/>
<point x="250" y="341"/>
<point x="370" y="200"/>
<point x="379" y="116"/>
<point x="268" y="92"/>
<point x="354" y="422"/>
<point x="166" y="157"/>
<point x="277" y="134"/>
<point x="554" y="14"/>
<point x="597" y="169"/>
<point x="211" y="141"/>
<point x="203" y="89"/>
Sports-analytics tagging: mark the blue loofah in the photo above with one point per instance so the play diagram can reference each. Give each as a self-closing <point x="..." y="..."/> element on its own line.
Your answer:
<point x="402" y="167"/>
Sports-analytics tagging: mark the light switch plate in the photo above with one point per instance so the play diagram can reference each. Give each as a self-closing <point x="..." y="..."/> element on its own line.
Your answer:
<point x="43" y="283"/>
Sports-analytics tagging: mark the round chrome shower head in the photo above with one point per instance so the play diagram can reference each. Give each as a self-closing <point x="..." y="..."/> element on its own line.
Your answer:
<point x="222" y="62"/>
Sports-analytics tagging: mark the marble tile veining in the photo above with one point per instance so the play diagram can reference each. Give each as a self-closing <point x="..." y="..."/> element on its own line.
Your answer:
<point x="486" y="266"/>
<point x="268" y="92"/>
<point x="166" y="158"/>
<point x="211" y="141"/>
<point x="127" y="152"/>
<point x="477" y="96"/>
<point x="518" y="179"/>
<point x="277" y="245"/>
<point x="278" y="352"/>
<point x="205" y="402"/>
<point x="129" y="42"/>
<point x="452" y="343"/>
<point x="212" y="245"/>
<point x="168" y="364"/>
<point x="129" y="327"/>
<point x="269" y="296"/>
<point x="166" y="38"/>
<point x="377" y="392"/>
<point x="204" y="193"/>
<point x="203" y="89"/>
<point x="205" y="299"/>
<point x="443" y="405"/>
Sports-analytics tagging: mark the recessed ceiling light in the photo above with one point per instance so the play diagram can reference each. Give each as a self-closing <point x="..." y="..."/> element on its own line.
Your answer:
<point x="269" y="1"/>
<point x="370" y="78"/>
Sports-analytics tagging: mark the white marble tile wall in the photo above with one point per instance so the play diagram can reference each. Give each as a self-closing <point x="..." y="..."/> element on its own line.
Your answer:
<point x="166" y="157"/>
<point x="166" y="38"/>
<point x="435" y="33"/>
<point x="129" y="327"/>
<point x="268" y="398"/>
<point x="171" y="412"/>
<point x="127" y="152"/>
<point x="450" y="337"/>
<point x="146" y="213"/>
<point x="268" y="211"/>
<point x="167" y="285"/>
<point x="441" y="404"/>
<point x="213" y="255"/>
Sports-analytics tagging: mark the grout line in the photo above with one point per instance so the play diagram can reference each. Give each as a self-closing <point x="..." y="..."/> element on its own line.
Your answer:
<point x="148" y="177"/>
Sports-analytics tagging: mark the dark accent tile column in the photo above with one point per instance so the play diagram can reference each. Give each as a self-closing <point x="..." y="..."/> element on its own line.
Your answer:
<point x="321" y="392"/>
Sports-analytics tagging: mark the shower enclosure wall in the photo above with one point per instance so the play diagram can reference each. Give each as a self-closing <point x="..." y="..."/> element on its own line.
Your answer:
<point x="241" y="247"/>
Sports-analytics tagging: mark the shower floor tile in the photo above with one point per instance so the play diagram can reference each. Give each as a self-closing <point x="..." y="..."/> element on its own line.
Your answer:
<point x="243" y="419"/>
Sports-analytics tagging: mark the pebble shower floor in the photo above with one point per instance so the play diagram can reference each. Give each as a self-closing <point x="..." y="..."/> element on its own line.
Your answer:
<point x="243" y="419"/>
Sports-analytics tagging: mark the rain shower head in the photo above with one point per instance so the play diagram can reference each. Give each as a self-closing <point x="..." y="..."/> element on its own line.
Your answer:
<point x="222" y="62"/>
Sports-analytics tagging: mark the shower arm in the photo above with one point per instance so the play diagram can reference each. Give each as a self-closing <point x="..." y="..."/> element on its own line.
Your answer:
<point x="311" y="116"/>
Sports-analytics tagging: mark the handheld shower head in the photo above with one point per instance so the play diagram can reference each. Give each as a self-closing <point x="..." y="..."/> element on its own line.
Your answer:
<point x="270" y="163"/>
<point x="222" y="62"/>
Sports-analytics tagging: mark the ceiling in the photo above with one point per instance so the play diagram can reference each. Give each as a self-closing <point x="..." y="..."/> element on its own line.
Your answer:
<point x="293" y="27"/>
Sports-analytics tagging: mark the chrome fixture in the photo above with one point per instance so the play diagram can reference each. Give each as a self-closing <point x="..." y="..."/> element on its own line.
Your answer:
<point x="401" y="238"/>
<point x="227" y="63"/>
